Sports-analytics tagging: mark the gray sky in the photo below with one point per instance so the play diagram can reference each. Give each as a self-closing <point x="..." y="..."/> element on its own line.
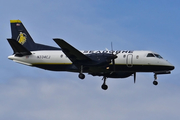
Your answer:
<point x="28" y="93"/>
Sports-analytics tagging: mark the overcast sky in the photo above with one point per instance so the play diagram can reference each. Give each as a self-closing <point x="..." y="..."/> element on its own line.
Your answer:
<point x="28" y="93"/>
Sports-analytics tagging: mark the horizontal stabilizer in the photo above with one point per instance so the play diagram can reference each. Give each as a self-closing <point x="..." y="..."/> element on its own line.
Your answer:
<point x="72" y="53"/>
<point x="18" y="49"/>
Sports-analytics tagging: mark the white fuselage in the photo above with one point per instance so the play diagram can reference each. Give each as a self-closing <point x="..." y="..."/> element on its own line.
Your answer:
<point x="125" y="58"/>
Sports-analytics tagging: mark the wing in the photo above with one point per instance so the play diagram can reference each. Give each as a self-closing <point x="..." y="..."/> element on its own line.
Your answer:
<point x="72" y="53"/>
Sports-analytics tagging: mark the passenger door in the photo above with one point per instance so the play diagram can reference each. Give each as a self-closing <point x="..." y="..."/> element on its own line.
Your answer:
<point x="129" y="60"/>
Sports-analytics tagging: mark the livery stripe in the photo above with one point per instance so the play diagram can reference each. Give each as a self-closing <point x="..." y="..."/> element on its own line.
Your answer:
<point x="51" y="63"/>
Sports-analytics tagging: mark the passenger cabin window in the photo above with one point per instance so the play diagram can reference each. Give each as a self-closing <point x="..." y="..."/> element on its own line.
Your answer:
<point x="150" y="55"/>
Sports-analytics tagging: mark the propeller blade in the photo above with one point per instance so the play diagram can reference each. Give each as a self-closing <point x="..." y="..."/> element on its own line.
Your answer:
<point x="113" y="61"/>
<point x="111" y="46"/>
<point x="135" y="77"/>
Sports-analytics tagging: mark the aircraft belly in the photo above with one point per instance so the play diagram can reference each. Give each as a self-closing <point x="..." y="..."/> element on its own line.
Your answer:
<point x="142" y="68"/>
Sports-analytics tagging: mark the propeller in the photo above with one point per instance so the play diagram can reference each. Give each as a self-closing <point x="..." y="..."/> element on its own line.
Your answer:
<point x="134" y="77"/>
<point x="114" y="57"/>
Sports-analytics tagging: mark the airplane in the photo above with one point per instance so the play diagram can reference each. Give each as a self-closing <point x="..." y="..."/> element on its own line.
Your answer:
<point x="105" y="63"/>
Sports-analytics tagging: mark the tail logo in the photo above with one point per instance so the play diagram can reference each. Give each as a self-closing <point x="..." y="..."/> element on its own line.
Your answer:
<point x="21" y="38"/>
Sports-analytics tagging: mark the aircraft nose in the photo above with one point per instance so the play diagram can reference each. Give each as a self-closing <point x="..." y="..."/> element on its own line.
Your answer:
<point x="171" y="67"/>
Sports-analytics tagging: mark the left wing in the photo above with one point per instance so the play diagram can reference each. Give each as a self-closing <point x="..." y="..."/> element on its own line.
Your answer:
<point x="72" y="53"/>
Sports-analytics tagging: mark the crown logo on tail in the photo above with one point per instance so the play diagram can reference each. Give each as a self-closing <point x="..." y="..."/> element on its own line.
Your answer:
<point x="21" y="38"/>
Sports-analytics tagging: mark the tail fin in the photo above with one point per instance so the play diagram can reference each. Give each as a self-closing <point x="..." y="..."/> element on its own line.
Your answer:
<point x="20" y="34"/>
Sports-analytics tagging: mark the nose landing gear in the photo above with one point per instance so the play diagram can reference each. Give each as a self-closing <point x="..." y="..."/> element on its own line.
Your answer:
<point x="159" y="73"/>
<point x="155" y="78"/>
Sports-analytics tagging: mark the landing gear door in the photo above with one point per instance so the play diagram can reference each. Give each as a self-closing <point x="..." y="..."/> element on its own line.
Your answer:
<point x="129" y="60"/>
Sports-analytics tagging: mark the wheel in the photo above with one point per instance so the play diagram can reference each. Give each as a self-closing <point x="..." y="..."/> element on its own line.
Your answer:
<point x="155" y="82"/>
<point x="104" y="87"/>
<point x="81" y="76"/>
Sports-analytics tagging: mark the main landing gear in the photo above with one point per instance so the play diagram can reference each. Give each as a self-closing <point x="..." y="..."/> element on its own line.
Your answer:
<point x="155" y="78"/>
<point x="81" y="75"/>
<point x="104" y="86"/>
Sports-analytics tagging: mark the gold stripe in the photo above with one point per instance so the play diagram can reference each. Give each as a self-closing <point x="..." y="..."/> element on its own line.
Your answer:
<point x="51" y="63"/>
<point x="15" y="21"/>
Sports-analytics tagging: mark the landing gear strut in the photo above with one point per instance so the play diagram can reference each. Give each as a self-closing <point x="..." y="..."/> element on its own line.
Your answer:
<point x="104" y="86"/>
<point x="81" y="75"/>
<point x="155" y="78"/>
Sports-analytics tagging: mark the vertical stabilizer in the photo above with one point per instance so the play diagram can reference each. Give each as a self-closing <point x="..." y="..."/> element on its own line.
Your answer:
<point x="20" y="34"/>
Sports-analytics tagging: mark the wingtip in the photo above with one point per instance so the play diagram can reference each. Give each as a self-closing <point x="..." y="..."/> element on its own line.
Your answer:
<point x="57" y="39"/>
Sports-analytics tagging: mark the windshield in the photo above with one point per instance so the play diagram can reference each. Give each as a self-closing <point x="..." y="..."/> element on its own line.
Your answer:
<point x="158" y="56"/>
<point x="154" y="55"/>
<point x="150" y="55"/>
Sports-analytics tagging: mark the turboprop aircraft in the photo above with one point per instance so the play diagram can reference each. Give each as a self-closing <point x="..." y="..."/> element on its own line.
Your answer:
<point x="107" y="63"/>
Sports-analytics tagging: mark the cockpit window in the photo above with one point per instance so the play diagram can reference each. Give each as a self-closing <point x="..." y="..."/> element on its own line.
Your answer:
<point x="154" y="55"/>
<point x="158" y="56"/>
<point x="150" y="55"/>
